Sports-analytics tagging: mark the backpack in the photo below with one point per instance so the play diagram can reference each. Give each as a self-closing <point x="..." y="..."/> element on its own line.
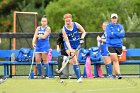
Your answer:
<point x="95" y="54"/>
<point x="24" y="55"/>
<point x="82" y="55"/>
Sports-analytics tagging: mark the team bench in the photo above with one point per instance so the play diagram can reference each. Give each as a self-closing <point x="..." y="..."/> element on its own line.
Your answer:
<point x="6" y="54"/>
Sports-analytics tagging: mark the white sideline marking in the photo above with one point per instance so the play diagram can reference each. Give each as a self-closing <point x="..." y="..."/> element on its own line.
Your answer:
<point x="103" y="89"/>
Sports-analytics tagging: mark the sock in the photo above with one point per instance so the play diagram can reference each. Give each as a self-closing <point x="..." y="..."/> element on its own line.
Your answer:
<point x="109" y="69"/>
<point x="39" y="69"/>
<point x="46" y="68"/>
<point x="77" y="71"/>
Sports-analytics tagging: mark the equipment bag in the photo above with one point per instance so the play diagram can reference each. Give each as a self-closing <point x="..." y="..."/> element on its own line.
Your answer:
<point x="95" y="54"/>
<point x="24" y="55"/>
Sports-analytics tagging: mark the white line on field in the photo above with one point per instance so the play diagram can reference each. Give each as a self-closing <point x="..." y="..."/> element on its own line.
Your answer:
<point x="103" y="89"/>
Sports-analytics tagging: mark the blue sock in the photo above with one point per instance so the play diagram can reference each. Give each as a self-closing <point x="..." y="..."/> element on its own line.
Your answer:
<point x="39" y="69"/>
<point x="106" y="66"/>
<point x="46" y="68"/>
<point x="109" y="69"/>
<point x="77" y="71"/>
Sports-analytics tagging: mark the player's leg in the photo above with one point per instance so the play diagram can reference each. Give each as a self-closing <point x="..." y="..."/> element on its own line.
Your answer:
<point x="116" y="66"/>
<point x="76" y="67"/>
<point x="114" y="59"/>
<point x="107" y="60"/>
<point x="46" y="64"/>
<point x="119" y="53"/>
<point x="38" y="63"/>
<point x="108" y="65"/>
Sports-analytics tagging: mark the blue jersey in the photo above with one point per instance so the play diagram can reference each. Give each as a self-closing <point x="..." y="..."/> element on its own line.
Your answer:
<point x="42" y="45"/>
<point x="115" y="33"/>
<point x="73" y="36"/>
<point x="104" y="51"/>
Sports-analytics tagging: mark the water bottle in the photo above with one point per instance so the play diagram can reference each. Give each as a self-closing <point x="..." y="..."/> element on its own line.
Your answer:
<point x="12" y="57"/>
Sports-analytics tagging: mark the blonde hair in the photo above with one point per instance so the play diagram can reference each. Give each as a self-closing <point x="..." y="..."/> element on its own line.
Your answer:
<point x="105" y="22"/>
<point x="68" y="15"/>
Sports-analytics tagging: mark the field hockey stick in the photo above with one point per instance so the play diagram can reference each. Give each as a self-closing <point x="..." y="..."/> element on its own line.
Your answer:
<point x="68" y="59"/>
<point x="31" y="67"/>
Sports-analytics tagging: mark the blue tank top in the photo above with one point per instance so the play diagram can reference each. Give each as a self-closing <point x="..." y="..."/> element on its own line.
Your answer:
<point x="103" y="37"/>
<point x="43" y="42"/>
<point x="73" y="36"/>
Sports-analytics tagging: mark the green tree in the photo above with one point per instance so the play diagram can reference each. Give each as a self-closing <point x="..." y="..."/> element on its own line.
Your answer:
<point x="91" y="13"/>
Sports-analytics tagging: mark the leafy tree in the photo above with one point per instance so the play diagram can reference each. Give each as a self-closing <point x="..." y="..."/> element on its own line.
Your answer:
<point x="91" y="13"/>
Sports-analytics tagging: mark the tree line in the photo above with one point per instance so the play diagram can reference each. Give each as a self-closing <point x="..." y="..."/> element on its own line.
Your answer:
<point x="89" y="13"/>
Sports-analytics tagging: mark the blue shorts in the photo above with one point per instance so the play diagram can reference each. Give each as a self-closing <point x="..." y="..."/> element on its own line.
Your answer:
<point x="104" y="50"/>
<point x="42" y="49"/>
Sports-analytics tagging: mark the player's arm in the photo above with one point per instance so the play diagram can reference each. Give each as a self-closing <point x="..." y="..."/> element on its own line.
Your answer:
<point x="66" y="40"/>
<point x="45" y="34"/>
<point x="35" y="37"/>
<point x="100" y="39"/>
<point x="120" y="33"/>
<point x="82" y="30"/>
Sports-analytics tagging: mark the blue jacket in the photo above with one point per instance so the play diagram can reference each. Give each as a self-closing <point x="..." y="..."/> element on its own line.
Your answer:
<point x="114" y="35"/>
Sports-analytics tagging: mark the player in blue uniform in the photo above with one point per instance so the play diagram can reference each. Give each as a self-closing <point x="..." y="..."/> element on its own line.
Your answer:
<point x="115" y="33"/>
<point x="72" y="40"/>
<point x="104" y="51"/>
<point x="42" y="45"/>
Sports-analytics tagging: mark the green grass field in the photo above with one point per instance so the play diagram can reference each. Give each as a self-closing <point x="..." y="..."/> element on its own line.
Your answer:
<point x="53" y="85"/>
<point x="125" y="69"/>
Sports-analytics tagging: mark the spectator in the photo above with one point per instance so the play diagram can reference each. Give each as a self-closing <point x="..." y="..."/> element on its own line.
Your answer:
<point x="115" y="33"/>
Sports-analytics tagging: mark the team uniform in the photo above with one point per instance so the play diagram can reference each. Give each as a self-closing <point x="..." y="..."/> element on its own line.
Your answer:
<point x="115" y="33"/>
<point x="74" y="39"/>
<point x="73" y="36"/>
<point x="68" y="69"/>
<point x="104" y="53"/>
<point x="42" y="45"/>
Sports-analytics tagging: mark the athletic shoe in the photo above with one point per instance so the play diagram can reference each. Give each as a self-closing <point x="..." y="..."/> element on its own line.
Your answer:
<point x="40" y="77"/>
<point x="119" y="76"/>
<point x="80" y="80"/>
<point x="46" y="77"/>
<point x="110" y="76"/>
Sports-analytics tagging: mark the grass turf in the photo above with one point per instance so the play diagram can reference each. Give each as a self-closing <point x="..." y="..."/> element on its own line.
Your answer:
<point x="53" y="85"/>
